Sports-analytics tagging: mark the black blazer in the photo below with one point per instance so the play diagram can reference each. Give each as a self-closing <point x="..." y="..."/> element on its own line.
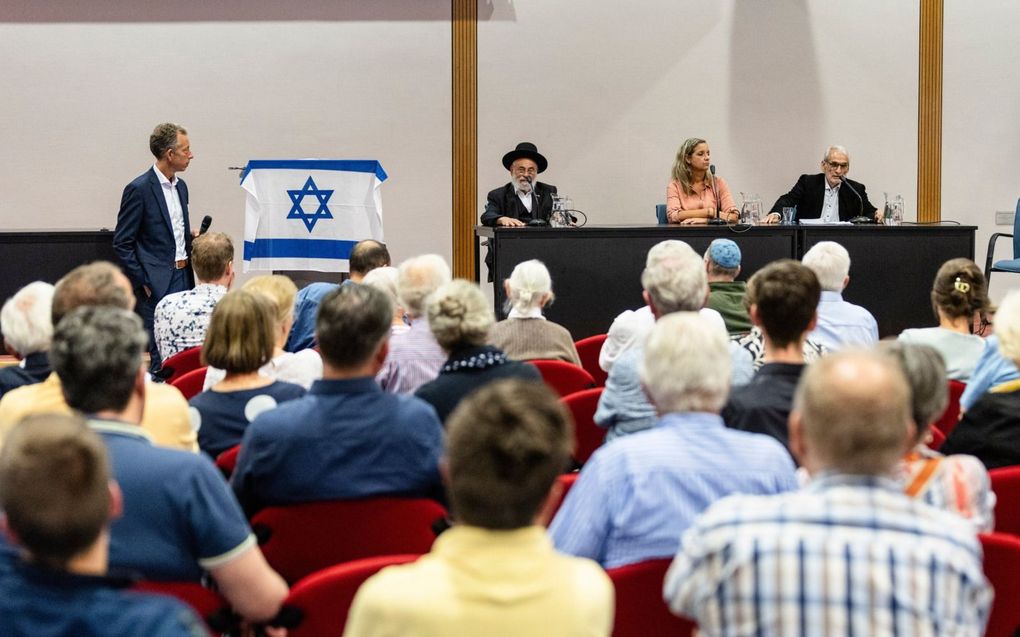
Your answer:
<point x="504" y="202"/>
<point x="144" y="237"/>
<point x="808" y="194"/>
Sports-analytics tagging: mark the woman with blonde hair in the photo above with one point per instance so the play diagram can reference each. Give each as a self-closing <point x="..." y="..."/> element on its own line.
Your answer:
<point x="460" y="319"/>
<point x="526" y="334"/>
<point x="302" y="368"/>
<point x="240" y="340"/>
<point x="958" y="295"/>
<point x="695" y="195"/>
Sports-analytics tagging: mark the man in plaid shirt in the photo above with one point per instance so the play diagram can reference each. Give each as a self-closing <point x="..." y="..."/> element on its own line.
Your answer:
<point x="848" y="555"/>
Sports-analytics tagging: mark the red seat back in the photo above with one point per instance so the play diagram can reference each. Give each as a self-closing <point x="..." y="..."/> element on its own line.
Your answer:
<point x="212" y="607"/>
<point x="588" y="349"/>
<point x="937" y="438"/>
<point x="640" y="610"/>
<point x="566" y="481"/>
<point x="190" y="384"/>
<point x="300" y="539"/>
<point x="564" y="378"/>
<point x="951" y="416"/>
<point x="182" y="362"/>
<point x="318" y="605"/>
<point x="227" y="461"/>
<point x="587" y="435"/>
<point x="1002" y="563"/>
<point x="1006" y="485"/>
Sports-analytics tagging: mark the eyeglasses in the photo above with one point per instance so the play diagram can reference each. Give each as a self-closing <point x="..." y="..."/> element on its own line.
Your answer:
<point x="520" y="170"/>
<point x="837" y="164"/>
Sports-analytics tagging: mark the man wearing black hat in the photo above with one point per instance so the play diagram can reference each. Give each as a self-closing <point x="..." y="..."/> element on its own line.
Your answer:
<point x="523" y="199"/>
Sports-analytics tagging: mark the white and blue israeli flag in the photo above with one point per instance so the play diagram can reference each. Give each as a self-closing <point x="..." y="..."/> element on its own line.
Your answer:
<point x="307" y="214"/>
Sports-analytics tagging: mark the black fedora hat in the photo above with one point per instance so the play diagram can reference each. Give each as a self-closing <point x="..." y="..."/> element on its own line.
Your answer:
<point x="525" y="150"/>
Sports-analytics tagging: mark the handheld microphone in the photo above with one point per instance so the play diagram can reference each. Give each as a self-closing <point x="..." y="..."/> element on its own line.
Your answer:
<point x="860" y="218"/>
<point x="717" y="221"/>
<point x="206" y="222"/>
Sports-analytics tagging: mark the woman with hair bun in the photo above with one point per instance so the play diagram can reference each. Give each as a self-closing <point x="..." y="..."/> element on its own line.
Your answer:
<point x="460" y="318"/>
<point x="526" y="334"/>
<point x="958" y="294"/>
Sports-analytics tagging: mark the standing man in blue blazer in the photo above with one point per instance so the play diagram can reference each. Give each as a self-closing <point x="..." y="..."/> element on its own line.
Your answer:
<point x="153" y="235"/>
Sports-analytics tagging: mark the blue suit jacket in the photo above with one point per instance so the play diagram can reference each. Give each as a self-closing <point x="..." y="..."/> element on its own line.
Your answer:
<point x="144" y="238"/>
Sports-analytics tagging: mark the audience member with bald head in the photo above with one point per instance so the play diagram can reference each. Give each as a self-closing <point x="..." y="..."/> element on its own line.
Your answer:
<point x="638" y="493"/>
<point x="101" y="284"/>
<point x="850" y="426"/>
<point x="59" y="498"/>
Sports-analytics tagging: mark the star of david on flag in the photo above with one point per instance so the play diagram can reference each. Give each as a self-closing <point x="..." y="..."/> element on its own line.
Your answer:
<point x="297" y="212"/>
<point x="307" y="214"/>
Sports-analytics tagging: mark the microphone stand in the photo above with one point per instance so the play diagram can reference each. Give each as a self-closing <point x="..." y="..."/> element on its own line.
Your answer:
<point x="717" y="221"/>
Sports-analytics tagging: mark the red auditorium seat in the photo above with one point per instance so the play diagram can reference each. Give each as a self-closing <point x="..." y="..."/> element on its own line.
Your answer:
<point x="588" y="349"/>
<point x="1006" y="486"/>
<point x="181" y="363"/>
<point x="190" y="384"/>
<point x="640" y="610"/>
<point x="587" y="435"/>
<point x="1002" y="563"/>
<point x="564" y="378"/>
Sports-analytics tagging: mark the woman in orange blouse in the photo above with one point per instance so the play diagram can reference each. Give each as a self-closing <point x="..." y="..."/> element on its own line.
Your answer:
<point x="692" y="198"/>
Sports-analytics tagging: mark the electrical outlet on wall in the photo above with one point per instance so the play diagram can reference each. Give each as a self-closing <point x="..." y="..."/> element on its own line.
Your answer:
<point x="1004" y="217"/>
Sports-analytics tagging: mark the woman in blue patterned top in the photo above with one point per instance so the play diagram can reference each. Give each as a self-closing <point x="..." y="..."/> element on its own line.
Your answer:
<point x="240" y="340"/>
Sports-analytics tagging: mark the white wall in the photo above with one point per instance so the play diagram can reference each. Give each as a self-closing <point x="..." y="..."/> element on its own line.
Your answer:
<point x="608" y="91"/>
<point x="84" y="83"/>
<point x="981" y="121"/>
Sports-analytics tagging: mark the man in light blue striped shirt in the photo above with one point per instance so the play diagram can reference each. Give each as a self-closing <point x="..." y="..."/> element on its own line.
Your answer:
<point x="638" y="493"/>
<point x="849" y="555"/>
<point x="840" y="323"/>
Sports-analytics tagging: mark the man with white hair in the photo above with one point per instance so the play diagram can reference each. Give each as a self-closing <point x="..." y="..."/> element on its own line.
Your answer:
<point x="840" y="323"/>
<point x="27" y="331"/>
<point x="828" y="195"/>
<point x="851" y="553"/>
<point x="415" y="357"/>
<point x="674" y="280"/>
<point x="635" y="497"/>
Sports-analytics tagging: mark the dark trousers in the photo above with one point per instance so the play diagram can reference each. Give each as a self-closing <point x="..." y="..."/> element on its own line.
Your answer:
<point x="146" y="308"/>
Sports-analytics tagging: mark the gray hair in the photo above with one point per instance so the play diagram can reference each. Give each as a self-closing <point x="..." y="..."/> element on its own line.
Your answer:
<point x="835" y="148"/>
<point x="831" y="264"/>
<point x="529" y="283"/>
<point x="666" y="249"/>
<point x="854" y="408"/>
<point x="1007" y="326"/>
<point x="459" y="316"/>
<point x="676" y="283"/>
<point x="419" y="277"/>
<point x="384" y="278"/>
<point x="925" y="370"/>
<point x="25" y="319"/>
<point x="96" y="352"/>
<point x="164" y="138"/>
<point x="686" y="365"/>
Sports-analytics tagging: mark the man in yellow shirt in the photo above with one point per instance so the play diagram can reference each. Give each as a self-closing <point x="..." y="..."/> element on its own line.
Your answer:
<point x="101" y="283"/>
<point x="495" y="572"/>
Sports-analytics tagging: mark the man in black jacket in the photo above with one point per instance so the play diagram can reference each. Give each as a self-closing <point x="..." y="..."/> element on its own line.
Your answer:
<point x="523" y="199"/>
<point x="828" y="195"/>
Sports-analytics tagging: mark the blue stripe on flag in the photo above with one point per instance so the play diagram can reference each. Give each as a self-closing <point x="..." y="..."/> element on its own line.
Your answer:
<point x="297" y="248"/>
<point x="348" y="165"/>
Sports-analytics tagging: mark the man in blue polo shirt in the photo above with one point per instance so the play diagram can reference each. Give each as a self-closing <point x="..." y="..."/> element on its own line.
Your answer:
<point x="180" y="518"/>
<point x="58" y="498"/>
<point x="346" y="438"/>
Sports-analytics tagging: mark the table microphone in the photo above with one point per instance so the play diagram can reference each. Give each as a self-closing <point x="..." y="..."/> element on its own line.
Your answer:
<point x="536" y="222"/>
<point x="716" y="221"/>
<point x="860" y="219"/>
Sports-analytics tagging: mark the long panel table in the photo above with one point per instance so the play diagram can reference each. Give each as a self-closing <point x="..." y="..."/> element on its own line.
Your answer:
<point x="596" y="270"/>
